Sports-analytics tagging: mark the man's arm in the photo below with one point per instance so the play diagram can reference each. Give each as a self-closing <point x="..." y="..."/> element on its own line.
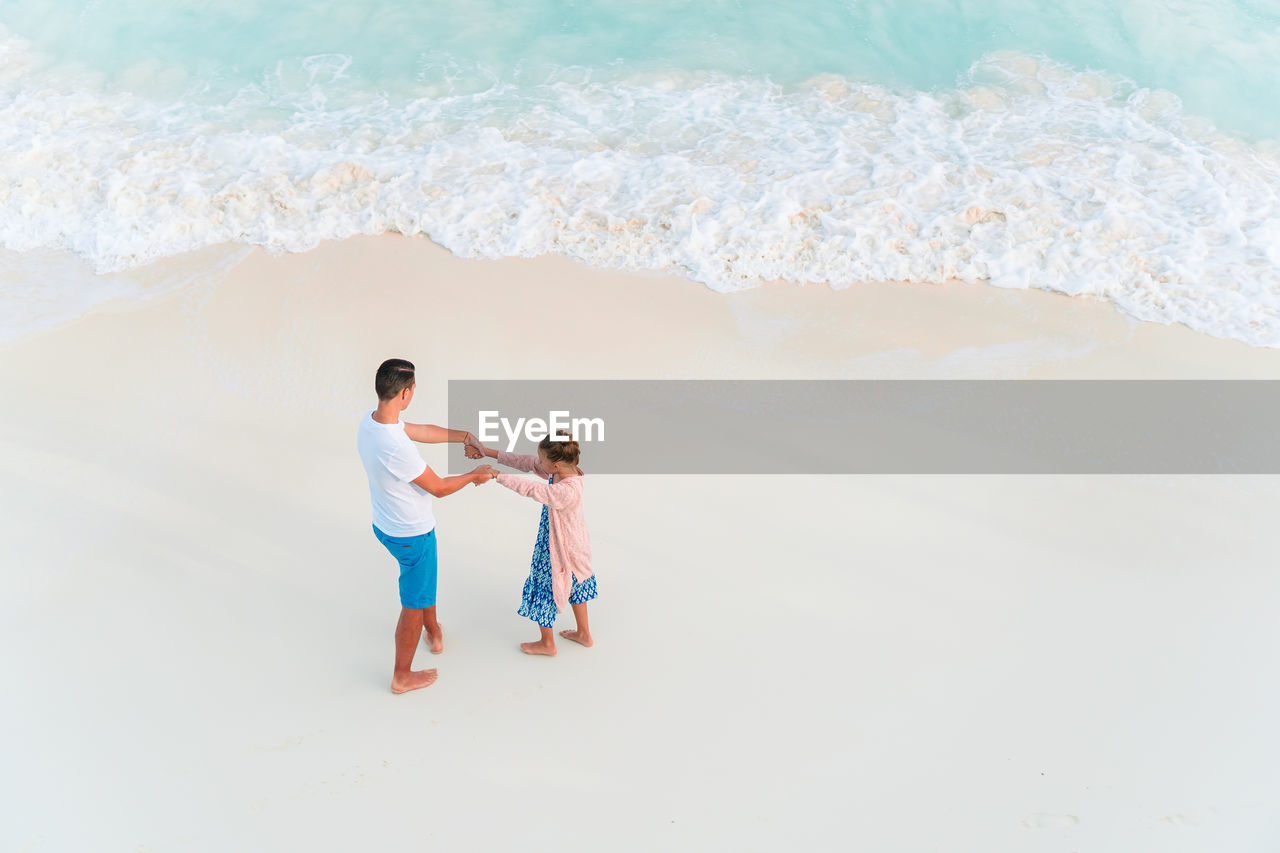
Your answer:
<point x="439" y="487"/>
<point x="432" y="434"/>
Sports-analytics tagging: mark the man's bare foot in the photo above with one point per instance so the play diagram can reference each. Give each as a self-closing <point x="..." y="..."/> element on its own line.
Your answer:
<point x="538" y="648"/>
<point x="577" y="637"/>
<point x="413" y="680"/>
<point x="436" y="643"/>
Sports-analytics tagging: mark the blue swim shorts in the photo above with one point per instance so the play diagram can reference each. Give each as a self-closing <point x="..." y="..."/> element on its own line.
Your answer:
<point x="417" y="558"/>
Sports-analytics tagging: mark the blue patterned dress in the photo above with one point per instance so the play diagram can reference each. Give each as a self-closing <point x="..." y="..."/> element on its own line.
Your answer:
<point x="539" y="601"/>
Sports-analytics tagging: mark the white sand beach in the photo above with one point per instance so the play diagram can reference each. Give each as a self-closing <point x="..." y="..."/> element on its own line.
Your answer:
<point x="198" y="620"/>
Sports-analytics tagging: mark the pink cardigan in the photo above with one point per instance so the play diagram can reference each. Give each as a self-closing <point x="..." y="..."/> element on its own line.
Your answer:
<point x="570" y="542"/>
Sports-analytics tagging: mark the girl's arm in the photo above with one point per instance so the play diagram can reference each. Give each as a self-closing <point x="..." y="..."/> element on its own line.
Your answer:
<point x="555" y="495"/>
<point x="519" y="461"/>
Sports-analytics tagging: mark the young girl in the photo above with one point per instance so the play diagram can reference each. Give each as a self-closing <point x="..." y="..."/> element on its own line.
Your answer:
<point x="561" y="567"/>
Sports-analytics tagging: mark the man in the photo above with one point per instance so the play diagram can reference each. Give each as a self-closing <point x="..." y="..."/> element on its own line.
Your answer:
<point x="401" y="486"/>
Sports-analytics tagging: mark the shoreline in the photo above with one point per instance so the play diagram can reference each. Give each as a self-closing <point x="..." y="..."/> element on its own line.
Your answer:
<point x="869" y="329"/>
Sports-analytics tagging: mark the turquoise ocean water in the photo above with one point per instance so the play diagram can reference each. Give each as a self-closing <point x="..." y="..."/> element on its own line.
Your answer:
<point x="1127" y="150"/>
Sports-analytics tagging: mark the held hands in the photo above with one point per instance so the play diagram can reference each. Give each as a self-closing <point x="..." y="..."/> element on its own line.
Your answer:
<point x="472" y="447"/>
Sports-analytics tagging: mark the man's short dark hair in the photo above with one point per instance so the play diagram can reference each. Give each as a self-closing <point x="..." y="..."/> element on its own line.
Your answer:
<point x="394" y="375"/>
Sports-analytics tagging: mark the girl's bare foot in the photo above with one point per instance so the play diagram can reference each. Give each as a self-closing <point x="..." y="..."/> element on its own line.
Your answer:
<point x="538" y="648"/>
<point x="413" y="680"/>
<point x="577" y="637"/>
<point x="434" y="643"/>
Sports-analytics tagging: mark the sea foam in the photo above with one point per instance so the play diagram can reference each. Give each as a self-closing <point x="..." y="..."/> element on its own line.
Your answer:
<point x="1027" y="174"/>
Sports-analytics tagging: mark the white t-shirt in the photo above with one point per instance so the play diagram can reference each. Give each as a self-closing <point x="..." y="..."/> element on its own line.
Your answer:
<point x="400" y="508"/>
